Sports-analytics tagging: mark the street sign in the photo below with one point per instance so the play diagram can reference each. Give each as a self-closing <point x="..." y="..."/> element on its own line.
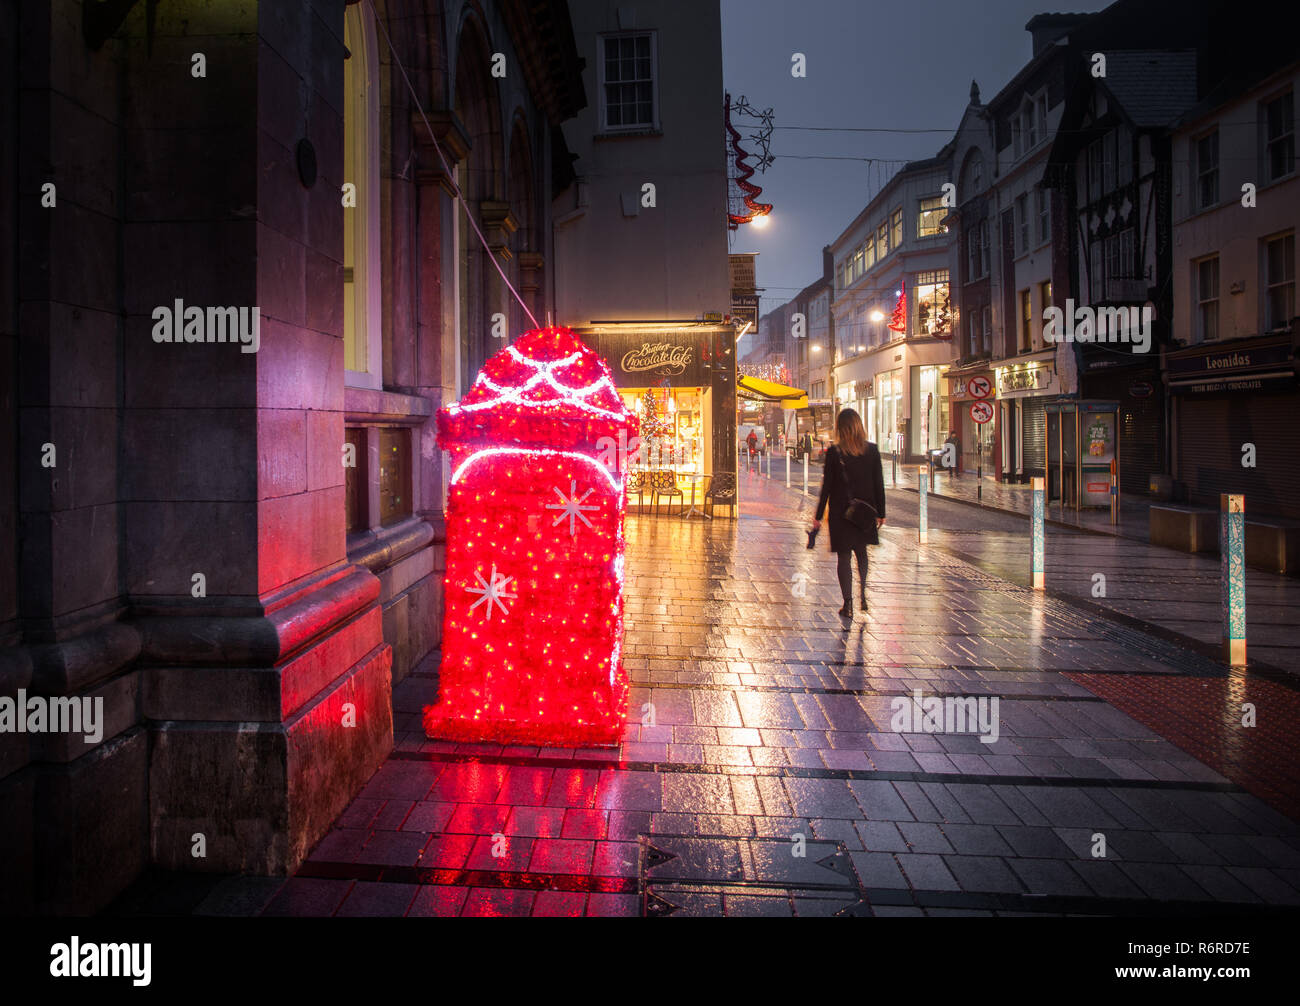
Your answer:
<point x="981" y="412"/>
<point x="979" y="387"/>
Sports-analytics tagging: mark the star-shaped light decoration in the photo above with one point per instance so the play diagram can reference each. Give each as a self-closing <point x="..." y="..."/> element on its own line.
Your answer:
<point x="572" y="506"/>
<point x="492" y="591"/>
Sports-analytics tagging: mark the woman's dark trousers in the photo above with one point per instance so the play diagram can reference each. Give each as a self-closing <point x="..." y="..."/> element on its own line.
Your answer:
<point x="845" y="561"/>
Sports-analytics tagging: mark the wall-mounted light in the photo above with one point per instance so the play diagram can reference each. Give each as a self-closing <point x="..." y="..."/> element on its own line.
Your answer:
<point x="877" y="316"/>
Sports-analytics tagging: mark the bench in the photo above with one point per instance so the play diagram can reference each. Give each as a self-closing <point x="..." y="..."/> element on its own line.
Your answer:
<point x="1273" y="544"/>
<point x="1186" y="528"/>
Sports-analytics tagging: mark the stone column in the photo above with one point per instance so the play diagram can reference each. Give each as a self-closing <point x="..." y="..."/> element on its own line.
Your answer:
<point x="72" y="803"/>
<point x="268" y="696"/>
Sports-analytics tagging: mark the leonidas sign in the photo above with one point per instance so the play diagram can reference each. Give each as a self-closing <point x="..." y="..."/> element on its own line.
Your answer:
<point x="661" y="358"/>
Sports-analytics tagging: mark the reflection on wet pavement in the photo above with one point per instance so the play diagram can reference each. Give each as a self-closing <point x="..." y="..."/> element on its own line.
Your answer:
<point x="760" y="773"/>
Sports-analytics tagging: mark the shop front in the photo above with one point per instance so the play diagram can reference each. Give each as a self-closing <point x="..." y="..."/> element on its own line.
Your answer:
<point x="888" y="428"/>
<point x="1134" y="383"/>
<point x="1023" y="389"/>
<point x="681" y="384"/>
<point x="931" y="421"/>
<point x="977" y="442"/>
<point x="1234" y="426"/>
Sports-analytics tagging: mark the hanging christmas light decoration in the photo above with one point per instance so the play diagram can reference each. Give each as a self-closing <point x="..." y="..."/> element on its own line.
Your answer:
<point x="742" y="170"/>
<point x="898" y="320"/>
<point x="533" y="592"/>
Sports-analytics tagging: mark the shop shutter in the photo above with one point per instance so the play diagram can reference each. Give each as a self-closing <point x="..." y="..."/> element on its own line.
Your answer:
<point x="1212" y="430"/>
<point x="1141" y="425"/>
<point x="1034" y="432"/>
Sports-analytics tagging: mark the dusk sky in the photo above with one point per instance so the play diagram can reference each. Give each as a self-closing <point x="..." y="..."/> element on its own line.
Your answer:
<point x="869" y="65"/>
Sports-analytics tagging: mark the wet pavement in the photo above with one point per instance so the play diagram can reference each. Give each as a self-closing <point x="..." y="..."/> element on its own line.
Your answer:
<point x="762" y="774"/>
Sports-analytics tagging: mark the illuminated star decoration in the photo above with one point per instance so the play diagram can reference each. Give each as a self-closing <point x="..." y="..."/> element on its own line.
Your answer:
<point x="492" y="591"/>
<point x="572" y="506"/>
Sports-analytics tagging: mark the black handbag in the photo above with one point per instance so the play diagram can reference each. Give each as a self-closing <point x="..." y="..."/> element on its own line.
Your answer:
<point x="859" y="512"/>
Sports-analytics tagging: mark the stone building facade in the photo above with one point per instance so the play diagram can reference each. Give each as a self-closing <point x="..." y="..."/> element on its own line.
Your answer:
<point x="233" y="554"/>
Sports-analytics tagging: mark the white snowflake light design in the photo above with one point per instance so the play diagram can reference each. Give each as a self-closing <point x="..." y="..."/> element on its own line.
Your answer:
<point x="572" y="506"/>
<point x="493" y="591"/>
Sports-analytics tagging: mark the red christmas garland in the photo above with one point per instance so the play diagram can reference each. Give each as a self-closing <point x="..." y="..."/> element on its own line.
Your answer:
<point x="743" y="173"/>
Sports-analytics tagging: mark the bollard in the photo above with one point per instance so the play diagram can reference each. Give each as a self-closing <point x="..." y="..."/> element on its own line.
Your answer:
<point x="805" y="474"/>
<point x="768" y="458"/>
<point x="1232" y="559"/>
<point x="923" y="485"/>
<point x="1036" y="537"/>
<point x="787" y="469"/>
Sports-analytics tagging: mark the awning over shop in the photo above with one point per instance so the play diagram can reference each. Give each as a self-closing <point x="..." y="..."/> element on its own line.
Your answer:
<point x="759" y="390"/>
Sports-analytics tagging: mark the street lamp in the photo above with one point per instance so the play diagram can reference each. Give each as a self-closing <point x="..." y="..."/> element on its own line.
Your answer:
<point x="760" y="221"/>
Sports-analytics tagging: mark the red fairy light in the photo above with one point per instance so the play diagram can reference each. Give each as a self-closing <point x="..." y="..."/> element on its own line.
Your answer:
<point x="533" y="593"/>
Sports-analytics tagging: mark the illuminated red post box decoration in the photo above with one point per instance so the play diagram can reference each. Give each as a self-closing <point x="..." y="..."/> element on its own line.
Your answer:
<point x="533" y="594"/>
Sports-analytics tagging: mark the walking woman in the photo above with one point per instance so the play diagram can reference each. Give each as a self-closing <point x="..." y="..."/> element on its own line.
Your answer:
<point x="853" y="486"/>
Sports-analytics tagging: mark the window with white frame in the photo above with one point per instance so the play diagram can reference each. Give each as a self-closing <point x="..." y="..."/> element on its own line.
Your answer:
<point x="929" y="214"/>
<point x="1044" y="214"/>
<point x="1279" y="137"/>
<point x="986" y="327"/>
<point x="896" y="227"/>
<point x="1207" y="170"/>
<point x="882" y="239"/>
<point x="1022" y="224"/>
<point x="933" y="304"/>
<point x="1205" y="274"/>
<point x="1279" y="282"/>
<point x="628" y="96"/>
<point x="1017" y="142"/>
<point x="1040" y="111"/>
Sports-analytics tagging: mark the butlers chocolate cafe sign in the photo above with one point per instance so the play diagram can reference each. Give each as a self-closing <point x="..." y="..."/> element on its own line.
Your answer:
<point x="689" y="356"/>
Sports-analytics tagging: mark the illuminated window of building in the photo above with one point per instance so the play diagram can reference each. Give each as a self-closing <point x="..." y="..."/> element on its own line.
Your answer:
<point x="929" y="214"/>
<point x="933" y="303"/>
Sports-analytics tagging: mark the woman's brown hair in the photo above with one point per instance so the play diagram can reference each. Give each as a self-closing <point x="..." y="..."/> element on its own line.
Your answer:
<point x="850" y="434"/>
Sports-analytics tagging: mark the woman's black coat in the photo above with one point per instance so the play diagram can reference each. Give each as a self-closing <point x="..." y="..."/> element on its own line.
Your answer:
<point x="867" y="482"/>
